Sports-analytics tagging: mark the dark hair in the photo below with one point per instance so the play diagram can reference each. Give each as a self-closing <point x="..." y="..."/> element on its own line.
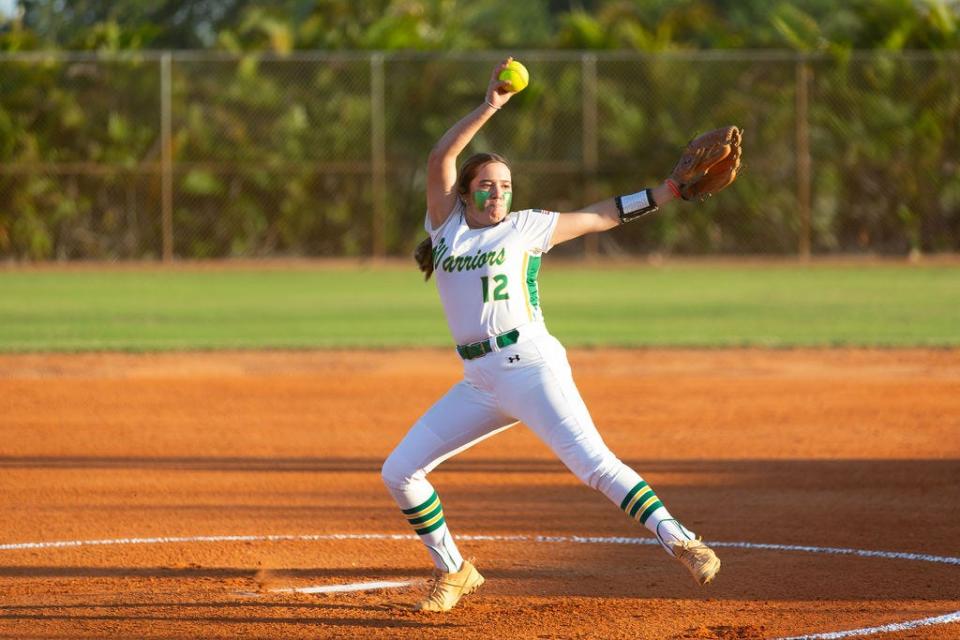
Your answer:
<point x="469" y="169"/>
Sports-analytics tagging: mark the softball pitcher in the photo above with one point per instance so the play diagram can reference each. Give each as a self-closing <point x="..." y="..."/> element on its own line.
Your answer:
<point x="486" y="260"/>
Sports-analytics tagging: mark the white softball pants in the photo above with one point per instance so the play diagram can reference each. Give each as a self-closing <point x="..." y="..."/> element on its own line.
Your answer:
<point x="529" y="381"/>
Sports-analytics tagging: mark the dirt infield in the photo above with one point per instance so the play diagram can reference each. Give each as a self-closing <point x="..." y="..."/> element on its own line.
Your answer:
<point x="851" y="449"/>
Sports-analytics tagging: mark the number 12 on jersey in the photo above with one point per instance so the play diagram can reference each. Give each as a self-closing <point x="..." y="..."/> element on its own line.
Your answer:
<point x="499" y="292"/>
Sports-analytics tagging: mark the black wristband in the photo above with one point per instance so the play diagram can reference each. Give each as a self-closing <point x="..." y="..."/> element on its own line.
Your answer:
<point x="635" y="205"/>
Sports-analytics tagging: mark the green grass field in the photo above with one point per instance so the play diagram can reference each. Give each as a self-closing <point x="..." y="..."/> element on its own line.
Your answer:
<point x="702" y="306"/>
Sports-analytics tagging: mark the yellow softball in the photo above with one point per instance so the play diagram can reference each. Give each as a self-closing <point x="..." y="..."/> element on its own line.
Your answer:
<point x="516" y="75"/>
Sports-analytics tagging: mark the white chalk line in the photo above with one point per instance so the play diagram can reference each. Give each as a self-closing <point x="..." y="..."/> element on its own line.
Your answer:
<point x="344" y="588"/>
<point x="887" y="628"/>
<point x="832" y="635"/>
<point x="864" y="553"/>
<point x="331" y="588"/>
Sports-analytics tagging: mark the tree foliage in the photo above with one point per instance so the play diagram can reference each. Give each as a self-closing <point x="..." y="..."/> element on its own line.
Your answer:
<point x="272" y="141"/>
<point x="642" y="25"/>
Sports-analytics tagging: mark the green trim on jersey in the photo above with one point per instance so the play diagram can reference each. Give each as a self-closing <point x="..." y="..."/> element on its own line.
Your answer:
<point x="533" y="288"/>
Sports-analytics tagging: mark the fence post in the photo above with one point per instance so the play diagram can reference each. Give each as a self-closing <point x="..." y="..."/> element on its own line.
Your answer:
<point x="803" y="157"/>
<point x="377" y="155"/>
<point x="590" y="152"/>
<point x="166" y="160"/>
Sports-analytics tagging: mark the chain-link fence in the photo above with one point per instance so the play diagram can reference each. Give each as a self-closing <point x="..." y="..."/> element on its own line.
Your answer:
<point x="203" y="155"/>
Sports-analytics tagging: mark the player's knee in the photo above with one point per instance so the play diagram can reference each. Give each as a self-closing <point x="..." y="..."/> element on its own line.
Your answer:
<point x="390" y="472"/>
<point x="396" y="473"/>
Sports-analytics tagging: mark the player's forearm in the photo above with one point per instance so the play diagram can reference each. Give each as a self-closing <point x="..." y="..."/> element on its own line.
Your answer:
<point x="609" y="214"/>
<point x="457" y="137"/>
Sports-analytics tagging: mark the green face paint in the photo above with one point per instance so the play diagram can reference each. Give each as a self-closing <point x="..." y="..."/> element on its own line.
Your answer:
<point x="480" y="199"/>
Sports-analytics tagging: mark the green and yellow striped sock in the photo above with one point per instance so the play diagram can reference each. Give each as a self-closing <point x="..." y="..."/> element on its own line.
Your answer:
<point x="428" y="522"/>
<point x="643" y="505"/>
<point x="426" y="517"/>
<point x="640" y="503"/>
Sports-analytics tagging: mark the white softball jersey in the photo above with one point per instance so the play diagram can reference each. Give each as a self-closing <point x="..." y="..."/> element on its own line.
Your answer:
<point x="487" y="277"/>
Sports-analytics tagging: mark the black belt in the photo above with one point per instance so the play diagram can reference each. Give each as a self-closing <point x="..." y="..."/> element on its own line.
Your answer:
<point x="482" y="348"/>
